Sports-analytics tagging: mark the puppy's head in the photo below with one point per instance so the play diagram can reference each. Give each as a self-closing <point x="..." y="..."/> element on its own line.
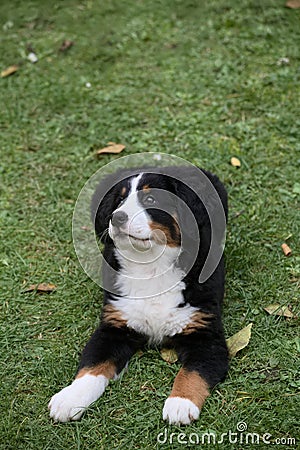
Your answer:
<point x="139" y="212"/>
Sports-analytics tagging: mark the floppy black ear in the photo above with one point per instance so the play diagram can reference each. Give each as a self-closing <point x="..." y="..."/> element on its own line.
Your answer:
<point x="102" y="208"/>
<point x="203" y="220"/>
<point x="220" y="194"/>
<point x="190" y="211"/>
<point x="104" y="203"/>
<point x="203" y="194"/>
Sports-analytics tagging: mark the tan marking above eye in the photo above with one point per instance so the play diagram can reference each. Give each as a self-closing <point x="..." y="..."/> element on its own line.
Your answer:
<point x="190" y="385"/>
<point x="107" y="368"/>
<point x="146" y="188"/>
<point x="123" y="191"/>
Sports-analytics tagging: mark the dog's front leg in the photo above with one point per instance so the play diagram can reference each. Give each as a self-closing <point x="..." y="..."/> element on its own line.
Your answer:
<point x="103" y="358"/>
<point x="205" y="363"/>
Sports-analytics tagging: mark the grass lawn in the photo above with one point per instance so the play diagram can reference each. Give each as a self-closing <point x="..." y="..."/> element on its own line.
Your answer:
<point x="204" y="81"/>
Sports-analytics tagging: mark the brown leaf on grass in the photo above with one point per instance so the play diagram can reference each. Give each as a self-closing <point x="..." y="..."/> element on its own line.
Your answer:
<point x="278" y="310"/>
<point x="9" y="71"/>
<point x="293" y="4"/>
<point x="169" y="355"/>
<point x="66" y="45"/>
<point x="41" y="287"/>
<point x="286" y="249"/>
<point x="235" y="162"/>
<point x="111" y="148"/>
<point x="239" y="340"/>
<point x="85" y="228"/>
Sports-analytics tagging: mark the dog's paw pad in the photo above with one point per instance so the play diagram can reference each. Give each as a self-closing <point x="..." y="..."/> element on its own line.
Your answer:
<point x="180" y="411"/>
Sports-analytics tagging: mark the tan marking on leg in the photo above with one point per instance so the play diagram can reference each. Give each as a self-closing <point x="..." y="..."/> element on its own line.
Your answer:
<point x="107" y="368"/>
<point x="113" y="316"/>
<point x="171" y="242"/>
<point x="190" y="385"/>
<point x="199" y="320"/>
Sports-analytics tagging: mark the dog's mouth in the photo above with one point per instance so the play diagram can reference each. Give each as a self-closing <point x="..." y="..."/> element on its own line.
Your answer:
<point x="135" y="238"/>
<point x="139" y="239"/>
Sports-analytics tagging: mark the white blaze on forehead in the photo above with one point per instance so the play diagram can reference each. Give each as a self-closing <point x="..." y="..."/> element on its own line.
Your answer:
<point x="137" y="224"/>
<point x="134" y="183"/>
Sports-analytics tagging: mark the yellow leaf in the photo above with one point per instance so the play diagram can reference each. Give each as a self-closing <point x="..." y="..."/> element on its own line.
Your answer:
<point x="239" y="340"/>
<point x="286" y="249"/>
<point x="278" y="310"/>
<point x="9" y="71"/>
<point x="169" y="355"/>
<point x="113" y="148"/>
<point x="293" y="4"/>
<point x="235" y="162"/>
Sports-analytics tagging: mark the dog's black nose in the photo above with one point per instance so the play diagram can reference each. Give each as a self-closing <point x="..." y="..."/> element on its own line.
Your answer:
<point x="119" y="218"/>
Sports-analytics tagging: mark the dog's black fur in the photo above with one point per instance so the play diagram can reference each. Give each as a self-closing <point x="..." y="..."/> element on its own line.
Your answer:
<point x="203" y="350"/>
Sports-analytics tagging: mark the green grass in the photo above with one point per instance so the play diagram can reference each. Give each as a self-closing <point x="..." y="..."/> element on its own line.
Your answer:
<point x="203" y="81"/>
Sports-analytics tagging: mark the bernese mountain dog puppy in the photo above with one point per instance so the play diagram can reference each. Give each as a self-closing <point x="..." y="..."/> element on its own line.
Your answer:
<point x="158" y="226"/>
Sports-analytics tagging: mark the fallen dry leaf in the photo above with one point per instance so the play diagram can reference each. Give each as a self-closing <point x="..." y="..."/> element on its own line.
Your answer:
<point x="85" y="228"/>
<point x="9" y="71"/>
<point x="286" y="249"/>
<point x="66" y="45"/>
<point x="111" y="148"/>
<point x="235" y="162"/>
<point x="239" y="340"/>
<point x="278" y="310"/>
<point x="293" y="4"/>
<point x="41" y="287"/>
<point x="169" y="355"/>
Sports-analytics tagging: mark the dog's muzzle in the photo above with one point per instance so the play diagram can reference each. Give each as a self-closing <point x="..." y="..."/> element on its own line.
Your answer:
<point x="119" y="218"/>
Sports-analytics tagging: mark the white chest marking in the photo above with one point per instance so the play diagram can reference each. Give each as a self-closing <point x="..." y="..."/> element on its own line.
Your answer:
<point x="157" y="318"/>
<point x="149" y="282"/>
<point x="150" y="300"/>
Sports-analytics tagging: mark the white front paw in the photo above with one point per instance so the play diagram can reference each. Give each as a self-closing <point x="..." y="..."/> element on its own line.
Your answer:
<point x="67" y="405"/>
<point x="180" y="411"/>
<point x="71" y="402"/>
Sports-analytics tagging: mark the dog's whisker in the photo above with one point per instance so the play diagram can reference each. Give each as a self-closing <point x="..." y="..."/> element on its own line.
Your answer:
<point x="104" y="235"/>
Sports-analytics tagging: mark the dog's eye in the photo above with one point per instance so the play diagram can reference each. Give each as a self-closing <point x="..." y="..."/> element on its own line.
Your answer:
<point x="149" y="200"/>
<point x="120" y="199"/>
